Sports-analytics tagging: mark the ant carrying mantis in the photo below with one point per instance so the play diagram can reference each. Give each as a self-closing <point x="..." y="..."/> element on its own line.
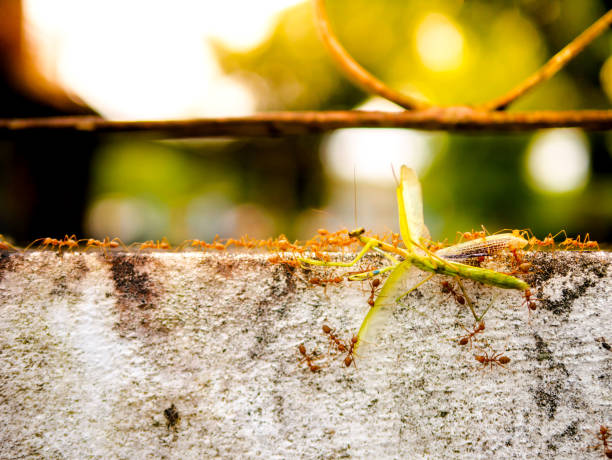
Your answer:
<point x="458" y="261"/>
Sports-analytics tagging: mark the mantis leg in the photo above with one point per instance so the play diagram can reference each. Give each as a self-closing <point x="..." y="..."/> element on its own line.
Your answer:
<point x="433" y="256"/>
<point x="366" y="248"/>
<point x="470" y="304"/>
<point x="416" y="286"/>
<point x="365" y="275"/>
<point x="377" y="271"/>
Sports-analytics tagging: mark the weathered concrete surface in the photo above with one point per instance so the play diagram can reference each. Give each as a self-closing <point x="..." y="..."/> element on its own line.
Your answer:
<point x="94" y="350"/>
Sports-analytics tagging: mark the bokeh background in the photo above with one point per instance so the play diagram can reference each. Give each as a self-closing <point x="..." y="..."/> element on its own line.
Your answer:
<point x="139" y="59"/>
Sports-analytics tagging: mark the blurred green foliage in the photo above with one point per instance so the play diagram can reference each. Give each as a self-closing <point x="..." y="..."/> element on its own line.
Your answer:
<point x="479" y="179"/>
<point x="505" y="41"/>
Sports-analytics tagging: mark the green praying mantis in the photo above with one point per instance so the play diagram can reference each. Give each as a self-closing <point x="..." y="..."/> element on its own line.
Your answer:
<point x="452" y="261"/>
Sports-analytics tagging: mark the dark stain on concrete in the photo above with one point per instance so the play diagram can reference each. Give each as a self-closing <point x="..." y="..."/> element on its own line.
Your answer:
<point x="8" y="262"/>
<point x="553" y="378"/>
<point x="571" y="431"/>
<point x="283" y="281"/>
<point x="226" y="267"/>
<point x="547" y="398"/>
<point x="131" y="284"/>
<point x="136" y="295"/>
<point x="559" y="263"/>
<point x="263" y="329"/>
<point x="272" y="305"/>
<point x="543" y="353"/>
<point x="563" y="306"/>
<point x="79" y="269"/>
<point x="588" y="269"/>
<point x="73" y="271"/>
<point x="172" y="417"/>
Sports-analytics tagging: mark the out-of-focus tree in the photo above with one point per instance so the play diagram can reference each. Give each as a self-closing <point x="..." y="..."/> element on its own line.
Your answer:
<point x="43" y="178"/>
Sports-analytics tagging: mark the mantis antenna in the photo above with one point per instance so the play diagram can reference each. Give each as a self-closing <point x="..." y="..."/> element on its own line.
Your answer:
<point x="355" y="194"/>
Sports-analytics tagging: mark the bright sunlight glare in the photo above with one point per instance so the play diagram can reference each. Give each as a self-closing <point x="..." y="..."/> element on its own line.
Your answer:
<point x="558" y="160"/>
<point x="132" y="218"/>
<point x="439" y="43"/>
<point x="372" y="151"/>
<point x="148" y="60"/>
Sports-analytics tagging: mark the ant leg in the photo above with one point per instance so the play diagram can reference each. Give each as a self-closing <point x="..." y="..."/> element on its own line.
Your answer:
<point x="416" y="286"/>
<point x="119" y="241"/>
<point x="181" y="246"/>
<point x="32" y="244"/>
<point x="469" y="302"/>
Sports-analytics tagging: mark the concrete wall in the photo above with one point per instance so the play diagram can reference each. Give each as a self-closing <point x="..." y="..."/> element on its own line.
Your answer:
<point x="95" y="351"/>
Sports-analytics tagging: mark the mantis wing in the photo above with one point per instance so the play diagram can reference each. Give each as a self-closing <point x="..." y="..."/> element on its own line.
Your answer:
<point x="410" y="205"/>
<point x="384" y="304"/>
<point x="471" y="252"/>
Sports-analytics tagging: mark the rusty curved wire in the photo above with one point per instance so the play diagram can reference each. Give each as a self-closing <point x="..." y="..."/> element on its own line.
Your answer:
<point x="370" y="83"/>
<point x="353" y="69"/>
<point x="486" y="117"/>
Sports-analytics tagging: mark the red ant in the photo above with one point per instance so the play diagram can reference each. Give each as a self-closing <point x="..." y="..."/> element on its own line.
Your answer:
<point x="374" y="285"/>
<point x="350" y="356"/>
<point x="283" y="244"/>
<point x="324" y="281"/>
<point x="202" y="244"/>
<point x="533" y="241"/>
<point x="582" y="245"/>
<point x="69" y="241"/>
<point x="448" y="289"/>
<point x="590" y="244"/>
<point x="465" y="339"/>
<point x="244" y="242"/>
<point x="216" y="244"/>
<point x="495" y="358"/>
<point x="277" y="259"/>
<point x="531" y="305"/>
<point x="163" y="244"/>
<point x="434" y="246"/>
<point x="604" y="344"/>
<point x="603" y="436"/>
<point x="308" y="359"/>
<point x="333" y="339"/>
<point x="45" y="243"/>
<point x="194" y="243"/>
<point x="523" y="267"/>
<point x="549" y="240"/>
<point x="571" y="242"/>
<point x="473" y="235"/>
<point x="107" y="243"/>
<point x="5" y="245"/>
